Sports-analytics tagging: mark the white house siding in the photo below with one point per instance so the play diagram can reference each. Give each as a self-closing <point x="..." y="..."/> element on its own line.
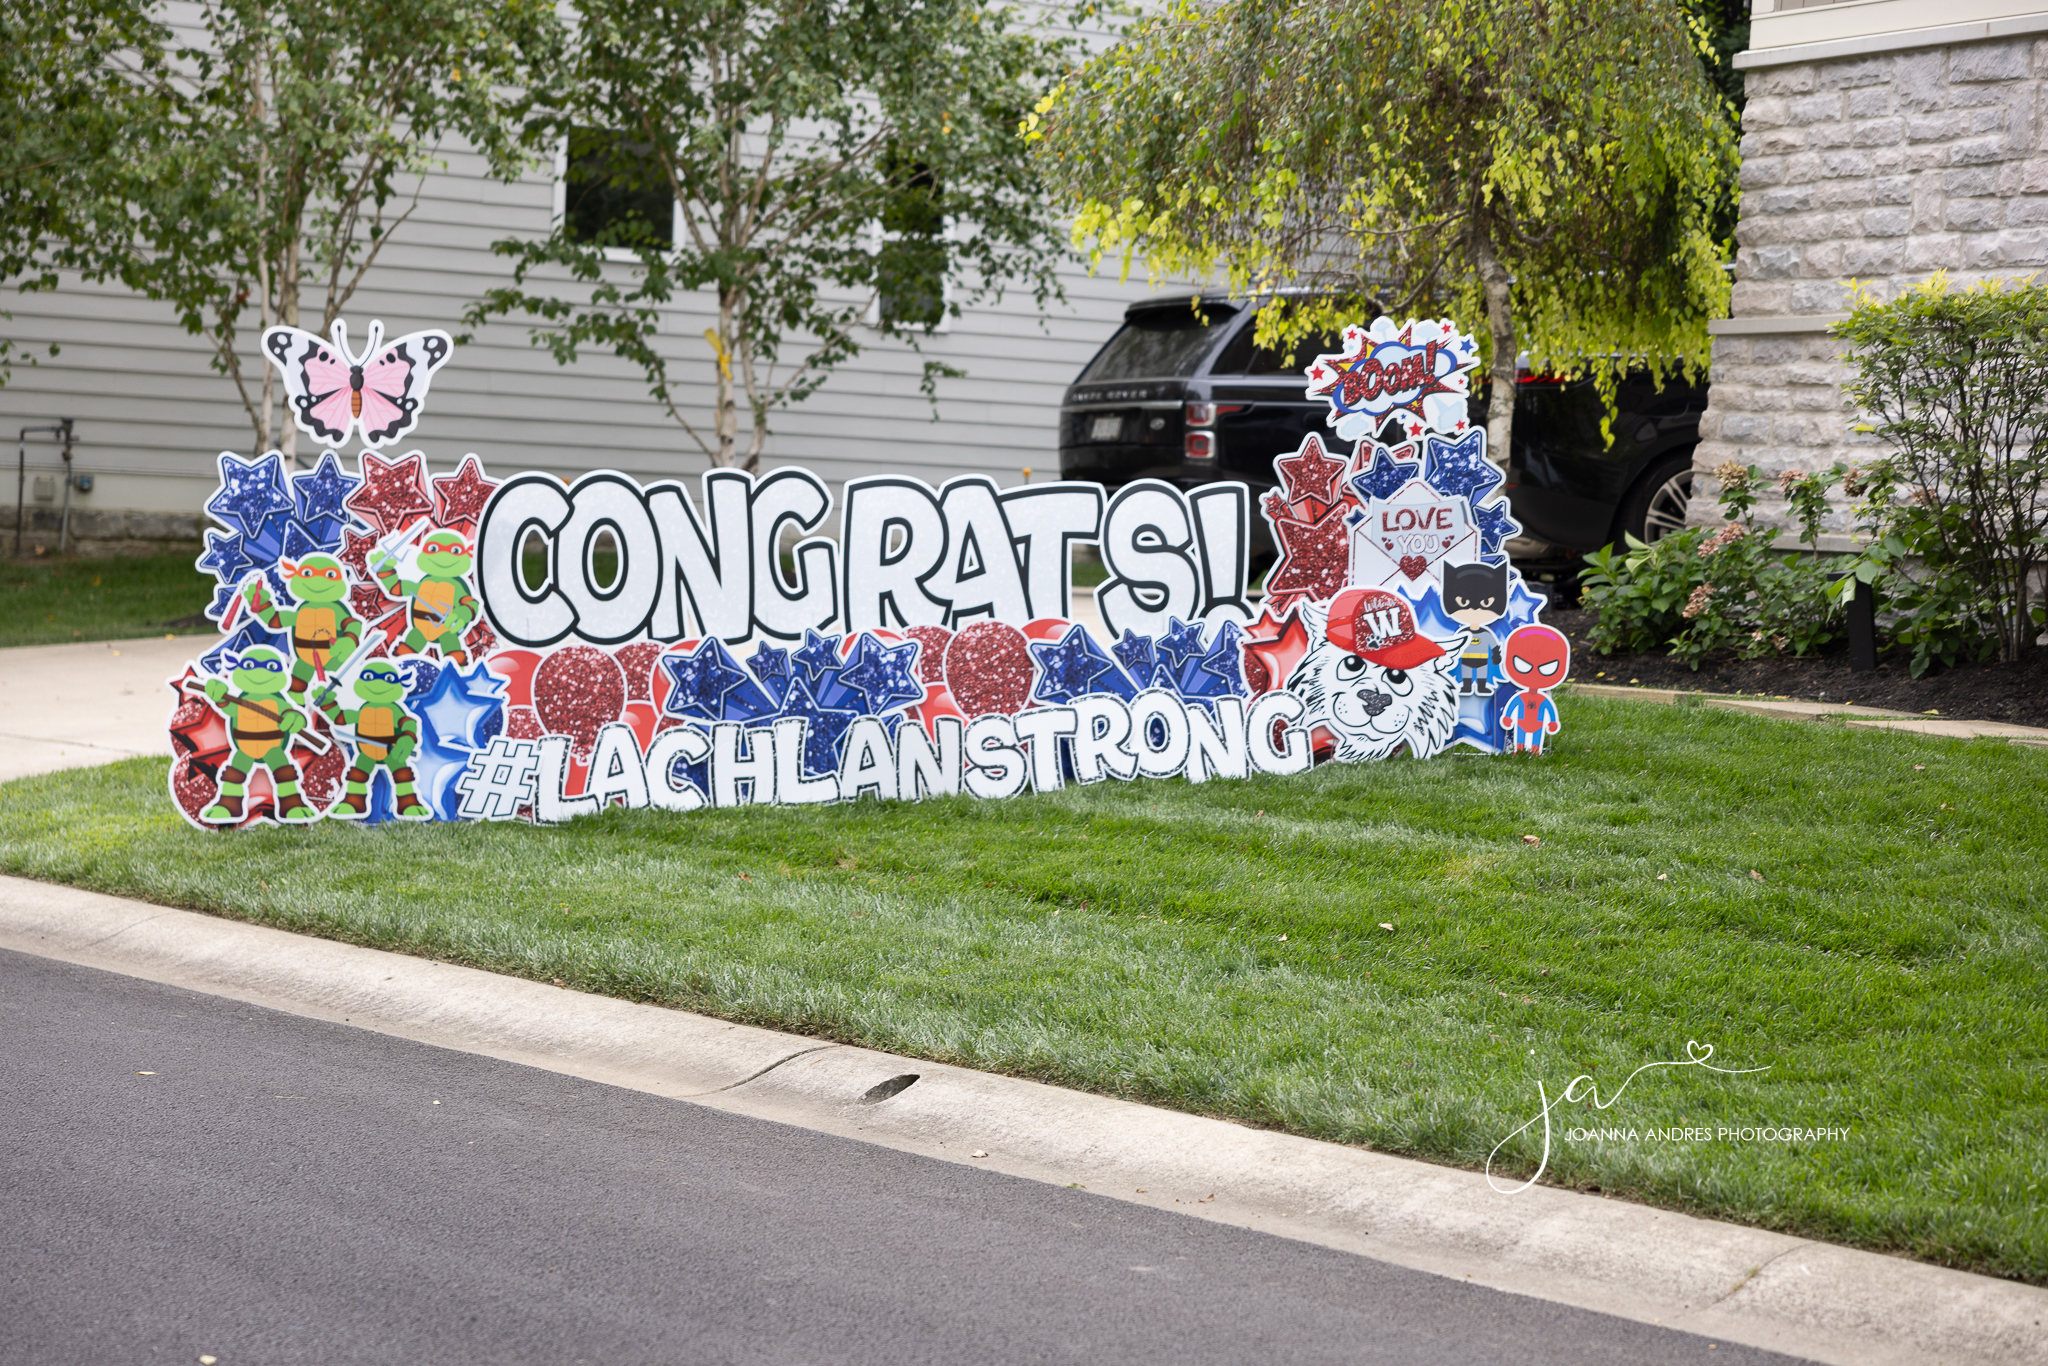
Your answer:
<point x="152" y="414"/>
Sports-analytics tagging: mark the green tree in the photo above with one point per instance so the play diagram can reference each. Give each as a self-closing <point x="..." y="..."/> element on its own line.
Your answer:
<point x="73" y="126"/>
<point x="1551" y="168"/>
<point x="295" y="140"/>
<point x="829" y="162"/>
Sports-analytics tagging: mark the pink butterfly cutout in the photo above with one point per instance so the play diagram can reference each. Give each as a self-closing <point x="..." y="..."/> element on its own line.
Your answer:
<point x="331" y="390"/>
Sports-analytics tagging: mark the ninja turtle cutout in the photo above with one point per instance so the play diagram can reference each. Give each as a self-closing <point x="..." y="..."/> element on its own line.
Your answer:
<point x="388" y="650"/>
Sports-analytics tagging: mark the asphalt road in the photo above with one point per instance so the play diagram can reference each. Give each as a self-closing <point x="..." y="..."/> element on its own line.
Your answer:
<point x="185" y="1177"/>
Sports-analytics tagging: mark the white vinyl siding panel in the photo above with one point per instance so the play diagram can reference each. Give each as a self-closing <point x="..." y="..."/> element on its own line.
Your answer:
<point x="152" y="413"/>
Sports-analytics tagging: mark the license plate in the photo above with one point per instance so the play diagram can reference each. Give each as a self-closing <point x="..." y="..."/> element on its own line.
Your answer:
<point x="1106" y="428"/>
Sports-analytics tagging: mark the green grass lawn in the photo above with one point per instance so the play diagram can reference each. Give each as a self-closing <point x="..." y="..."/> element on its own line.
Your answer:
<point x="1219" y="948"/>
<point x="55" y="601"/>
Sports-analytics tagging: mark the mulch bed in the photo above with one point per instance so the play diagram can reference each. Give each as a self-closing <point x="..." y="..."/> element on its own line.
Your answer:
<point x="2017" y="693"/>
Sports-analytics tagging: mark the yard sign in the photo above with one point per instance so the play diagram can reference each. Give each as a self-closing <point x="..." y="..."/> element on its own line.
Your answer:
<point x="403" y="644"/>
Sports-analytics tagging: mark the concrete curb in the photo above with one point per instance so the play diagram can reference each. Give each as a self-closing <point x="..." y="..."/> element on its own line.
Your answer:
<point x="1731" y="1283"/>
<point x="1855" y="717"/>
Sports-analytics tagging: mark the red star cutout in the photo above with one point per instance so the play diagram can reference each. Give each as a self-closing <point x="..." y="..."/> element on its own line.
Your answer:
<point x="459" y="498"/>
<point x="355" y="553"/>
<point x="1311" y="475"/>
<point x="367" y="601"/>
<point x="1314" y="558"/>
<point x="1271" y="650"/>
<point x="394" y="492"/>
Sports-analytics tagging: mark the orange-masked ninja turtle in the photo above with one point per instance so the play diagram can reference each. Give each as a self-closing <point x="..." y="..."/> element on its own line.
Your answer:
<point x="324" y="632"/>
<point x="442" y="605"/>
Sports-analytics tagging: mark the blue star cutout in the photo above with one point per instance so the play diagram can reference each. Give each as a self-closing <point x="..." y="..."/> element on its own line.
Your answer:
<point x="223" y="598"/>
<point x="453" y="711"/>
<point x="437" y="766"/>
<point x="1456" y="468"/>
<point x="299" y="542"/>
<point x="882" y="674"/>
<point x="264" y="543"/>
<point x="771" y="668"/>
<point x="709" y="684"/>
<point x="1182" y="642"/>
<point x="224" y="557"/>
<point x="1075" y="665"/>
<point x="1135" y="653"/>
<point x="1386" y="474"/>
<point x="319" y="492"/>
<point x="827" y="726"/>
<point x="820" y="655"/>
<point x="1224" y="663"/>
<point x="1495" y="526"/>
<point x="251" y="491"/>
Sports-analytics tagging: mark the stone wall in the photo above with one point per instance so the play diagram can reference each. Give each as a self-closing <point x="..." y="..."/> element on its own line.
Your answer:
<point x="1882" y="169"/>
<point x="95" y="534"/>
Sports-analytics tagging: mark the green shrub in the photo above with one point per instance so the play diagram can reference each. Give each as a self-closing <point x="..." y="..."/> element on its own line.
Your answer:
<point x="1704" y="590"/>
<point x="1955" y="382"/>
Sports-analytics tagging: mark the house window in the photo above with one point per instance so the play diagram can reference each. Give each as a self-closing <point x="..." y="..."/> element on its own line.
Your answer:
<point x="614" y="192"/>
<point x="910" y="255"/>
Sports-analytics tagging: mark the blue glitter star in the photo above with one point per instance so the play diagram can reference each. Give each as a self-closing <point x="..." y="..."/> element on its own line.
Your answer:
<point x="1224" y="663"/>
<point x="771" y="669"/>
<point x="709" y="684"/>
<point x="1495" y="526"/>
<point x="827" y="726"/>
<point x="1135" y="653"/>
<point x="1182" y="642"/>
<point x="1386" y="474"/>
<point x="819" y="656"/>
<point x="883" y="675"/>
<point x="299" y="542"/>
<point x="1074" y="666"/>
<point x="250" y="491"/>
<point x="319" y="492"/>
<point x="1458" y="468"/>
<point x="224" y="558"/>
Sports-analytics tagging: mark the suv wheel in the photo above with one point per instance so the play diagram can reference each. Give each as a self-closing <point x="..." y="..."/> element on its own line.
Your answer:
<point x="1656" y="507"/>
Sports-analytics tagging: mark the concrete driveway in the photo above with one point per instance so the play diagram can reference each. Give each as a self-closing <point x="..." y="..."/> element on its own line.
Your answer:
<point x="72" y="706"/>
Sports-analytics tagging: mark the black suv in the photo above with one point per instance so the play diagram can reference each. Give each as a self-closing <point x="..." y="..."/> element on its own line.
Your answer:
<point x="1183" y="394"/>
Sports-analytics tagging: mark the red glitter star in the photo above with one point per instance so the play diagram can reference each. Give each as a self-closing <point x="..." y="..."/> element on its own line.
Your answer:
<point x="367" y="600"/>
<point x="394" y="492"/>
<point x="1314" y="558"/>
<point x="459" y="498"/>
<point x="355" y="552"/>
<point x="1311" y="475"/>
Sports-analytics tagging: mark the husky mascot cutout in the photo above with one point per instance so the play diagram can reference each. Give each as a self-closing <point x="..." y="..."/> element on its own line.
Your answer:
<point x="1373" y="680"/>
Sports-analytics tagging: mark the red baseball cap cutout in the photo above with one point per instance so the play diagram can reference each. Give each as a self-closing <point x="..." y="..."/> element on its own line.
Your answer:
<point x="1379" y="626"/>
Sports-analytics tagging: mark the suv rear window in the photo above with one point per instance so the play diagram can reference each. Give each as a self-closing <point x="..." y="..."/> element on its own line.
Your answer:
<point x="1242" y="358"/>
<point x="1162" y="343"/>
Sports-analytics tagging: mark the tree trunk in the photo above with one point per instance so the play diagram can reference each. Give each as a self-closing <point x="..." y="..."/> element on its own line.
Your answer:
<point x="728" y="429"/>
<point x="288" y="314"/>
<point x="1500" y="327"/>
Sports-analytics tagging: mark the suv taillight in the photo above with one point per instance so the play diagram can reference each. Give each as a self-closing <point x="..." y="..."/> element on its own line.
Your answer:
<point x="1201" y="414"/>
<point x="1199" y="445"/>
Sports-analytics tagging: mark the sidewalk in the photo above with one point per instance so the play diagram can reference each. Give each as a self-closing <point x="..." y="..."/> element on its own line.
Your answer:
<point x="73" y="706"/>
